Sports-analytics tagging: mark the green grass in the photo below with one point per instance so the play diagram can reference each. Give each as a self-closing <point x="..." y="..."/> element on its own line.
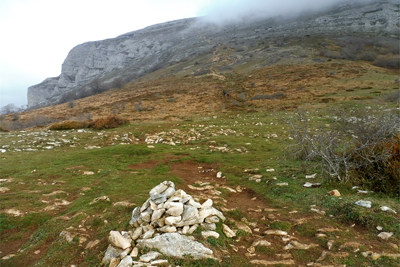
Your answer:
<point x="114" y="179"/>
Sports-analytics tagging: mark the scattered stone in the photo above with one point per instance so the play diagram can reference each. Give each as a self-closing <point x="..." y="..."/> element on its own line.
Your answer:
<point x="330" y="244"/>
<point x="152" y="255"/>
<point x="243" y="227"/>
<point x="385" y="235"/>
<point x="105" y="198"/>
<point x="13" y="212"/>
<point x="364" y="203"/>
<point x="334" y="193"/>
<point x="321" y="212"/>
<point x="384" y="208"/>
<point x="297" y="245"/>
<point x="4" y="190"/>
<point x="206" y="234"/>
<point x="350" y="244"/>
<point x="308" y="184"/>
<point x="9" y="256"/>
<point x="364" y="192"/>
<point x="264" y="262"/>
<point x="92" y="244"/>
<point x="261" y="242"/>
<point x="123" y="204"/>
<point x="67" y="236"/>
<point x="37" y="252"/>
<point x="282" y="184"/>
<point x="311" y="176"/>
<point x="228" y="231"/>
<point x="276" y="232"/>
<point x="255" y="177"/>
<point x="326" y="253"/>
<point x="270" y="170"/>
<point x="176" y="245"/>
<point x="328" y="229"/>
<point x="219" y="174"/>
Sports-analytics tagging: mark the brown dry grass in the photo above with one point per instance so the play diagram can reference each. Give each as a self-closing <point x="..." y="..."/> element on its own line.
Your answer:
<point x="181" y="98"/>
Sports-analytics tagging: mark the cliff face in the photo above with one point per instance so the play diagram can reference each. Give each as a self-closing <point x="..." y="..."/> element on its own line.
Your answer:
<point x="138" y="52"/>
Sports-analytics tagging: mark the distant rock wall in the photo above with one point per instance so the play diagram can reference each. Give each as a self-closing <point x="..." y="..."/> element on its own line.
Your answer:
<point x="139" y="51"/>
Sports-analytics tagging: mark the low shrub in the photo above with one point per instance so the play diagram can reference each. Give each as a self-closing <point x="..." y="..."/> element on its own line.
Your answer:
<point x="393" y="97"/>
<point x="391" y="62"/>
<point x="68" y="125"/>
<point x="381" y="175"/>
<point x="266" y="96"/>
<point x="108" y="122"/>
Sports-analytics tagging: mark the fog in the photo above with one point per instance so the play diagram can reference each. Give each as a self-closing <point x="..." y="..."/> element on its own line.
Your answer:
<point x="228" y="11"/>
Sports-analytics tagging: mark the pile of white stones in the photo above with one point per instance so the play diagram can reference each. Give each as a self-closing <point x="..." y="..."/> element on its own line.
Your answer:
<point x="163" y="223"/>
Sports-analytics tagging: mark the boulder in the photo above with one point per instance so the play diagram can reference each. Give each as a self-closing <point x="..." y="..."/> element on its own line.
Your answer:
<point x="176" y="245"/>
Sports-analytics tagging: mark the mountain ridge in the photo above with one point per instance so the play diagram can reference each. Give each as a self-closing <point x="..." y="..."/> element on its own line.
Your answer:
<point x="137" y="53"/>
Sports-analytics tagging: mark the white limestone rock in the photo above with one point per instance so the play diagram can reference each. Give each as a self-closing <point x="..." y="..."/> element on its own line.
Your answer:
<point x="206" y="234"/>
<point x="126" y="262"/>
<point x="157" y="214"/>
<point x="210" y="211"/>
<point x="117" y="240"/>
<point x="176" y="245"/>
<point x="152" y="255"/>
<point x="228" y="231"/>
<point x="135" y="220"/>
<point x="172" y="220"/>
<point x="174" y="209"/>
<point x="161" y="192"/>
<point x="111" y="252"/>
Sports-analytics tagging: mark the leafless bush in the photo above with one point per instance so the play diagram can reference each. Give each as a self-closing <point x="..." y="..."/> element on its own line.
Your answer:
<point x="68" y="97"/>
<point x="393" y="97"/>
<point x="118" y="83"/>
<point x="367" y="56"/>
<point x="330" y="54"/>
<point x="391" y="62"/>
<point x="266" y="96"/>
<point x="353" y="142"/>
<point x="38" y="121"/>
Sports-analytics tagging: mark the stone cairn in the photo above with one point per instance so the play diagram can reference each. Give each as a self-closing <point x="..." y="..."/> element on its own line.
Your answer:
<point x="164" y="222"/>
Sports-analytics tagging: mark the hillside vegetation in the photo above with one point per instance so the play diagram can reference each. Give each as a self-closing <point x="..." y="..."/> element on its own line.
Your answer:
<point x="285" y="133"/>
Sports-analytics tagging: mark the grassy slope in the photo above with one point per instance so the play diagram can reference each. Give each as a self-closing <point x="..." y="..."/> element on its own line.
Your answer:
<point x="198" y="104"/>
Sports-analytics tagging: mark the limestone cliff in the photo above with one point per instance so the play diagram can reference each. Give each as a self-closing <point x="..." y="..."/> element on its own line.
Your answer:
<point x="138" y="52"/>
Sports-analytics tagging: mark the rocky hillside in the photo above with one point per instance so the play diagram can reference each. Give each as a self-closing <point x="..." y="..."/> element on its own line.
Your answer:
<point x="138" y="53"/>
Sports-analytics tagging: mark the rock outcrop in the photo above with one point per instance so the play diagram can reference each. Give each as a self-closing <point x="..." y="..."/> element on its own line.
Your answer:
<point x="134" y="54"/>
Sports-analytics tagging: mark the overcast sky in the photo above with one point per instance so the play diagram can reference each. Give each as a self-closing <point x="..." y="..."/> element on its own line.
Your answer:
<point x="36" y="35"/>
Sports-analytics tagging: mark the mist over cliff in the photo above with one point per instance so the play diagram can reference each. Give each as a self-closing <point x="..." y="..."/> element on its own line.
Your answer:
<point x="239" y="25"/>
